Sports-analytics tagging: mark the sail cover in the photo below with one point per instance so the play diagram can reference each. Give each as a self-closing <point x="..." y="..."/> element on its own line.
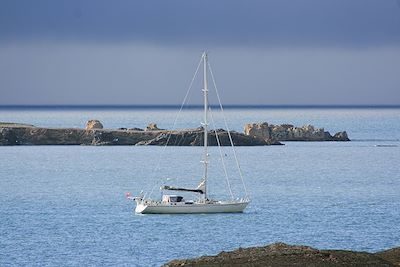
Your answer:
<point x="200" y="188"/>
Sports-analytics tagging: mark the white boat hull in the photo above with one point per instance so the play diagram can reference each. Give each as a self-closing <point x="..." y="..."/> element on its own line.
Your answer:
<point x="182" y="208"/>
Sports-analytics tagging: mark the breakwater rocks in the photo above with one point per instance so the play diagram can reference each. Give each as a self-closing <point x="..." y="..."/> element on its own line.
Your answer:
<point x="94" y="134"/>
<point x="281" y="254"/>
<point x="288" y="132"/>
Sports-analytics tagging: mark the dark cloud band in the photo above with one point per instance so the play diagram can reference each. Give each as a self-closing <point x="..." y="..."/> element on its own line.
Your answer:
<point x="235" y="22"/>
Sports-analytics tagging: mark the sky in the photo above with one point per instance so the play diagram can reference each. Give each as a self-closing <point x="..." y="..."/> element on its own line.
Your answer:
<point x="263" y="52"/>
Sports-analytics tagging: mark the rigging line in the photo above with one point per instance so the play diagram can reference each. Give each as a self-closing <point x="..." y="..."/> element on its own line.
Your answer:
<point x="173" y="126"/>
<point x="227" y="128"/>
<point x="220" y="153"/>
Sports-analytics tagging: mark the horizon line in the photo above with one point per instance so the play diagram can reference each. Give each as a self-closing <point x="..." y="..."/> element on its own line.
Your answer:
<point x="197" y="106"/>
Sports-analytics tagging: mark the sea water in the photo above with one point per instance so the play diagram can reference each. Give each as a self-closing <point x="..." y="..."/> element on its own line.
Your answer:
<point x="66" y="205"/>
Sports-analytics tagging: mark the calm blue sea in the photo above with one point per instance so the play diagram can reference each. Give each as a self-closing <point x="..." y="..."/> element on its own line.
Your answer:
<point x="65" y="205"/>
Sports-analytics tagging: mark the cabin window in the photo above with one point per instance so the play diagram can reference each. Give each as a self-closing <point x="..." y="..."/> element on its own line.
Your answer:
<point x="172" y="199"/>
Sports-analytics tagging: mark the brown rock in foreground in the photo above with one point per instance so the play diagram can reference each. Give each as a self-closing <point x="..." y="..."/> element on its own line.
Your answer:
<point x="281" y="254"/>
<point x="391" y="255"/>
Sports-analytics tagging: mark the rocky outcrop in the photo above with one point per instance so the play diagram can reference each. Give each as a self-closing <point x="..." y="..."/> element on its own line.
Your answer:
<point x="152" y="127"/>
<point x="288" y="132"/>
<point x="31" y="135"/>
<point x="8" y="137"/>
<point x="283" y="255"/>
<point x="341" y="136"/>
<point x="391" y="255"/>
<point x="256" y="134"/>
<point x="257" y="129"/>
<point x="195" y="138"/>
<point x="93" y="124"/>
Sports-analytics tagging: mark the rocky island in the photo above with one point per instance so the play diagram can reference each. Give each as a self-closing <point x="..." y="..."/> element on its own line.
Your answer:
<point x="283" y="255"/>
<point x="94" y="133"/>
<point x="289" y="132"/>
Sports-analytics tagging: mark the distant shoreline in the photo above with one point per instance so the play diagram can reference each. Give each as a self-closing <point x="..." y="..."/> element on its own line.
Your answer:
<point x="94" y="107"/>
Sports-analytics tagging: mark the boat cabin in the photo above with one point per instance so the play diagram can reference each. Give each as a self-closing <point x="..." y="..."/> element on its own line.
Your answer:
<point x="172" y="199"/>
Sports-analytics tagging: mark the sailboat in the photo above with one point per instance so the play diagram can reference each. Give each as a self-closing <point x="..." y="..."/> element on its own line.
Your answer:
<point x="175" y="204"/>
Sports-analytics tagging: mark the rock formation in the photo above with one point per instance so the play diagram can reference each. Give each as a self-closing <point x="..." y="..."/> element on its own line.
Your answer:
<point x="391" y="255"/>
<point x="11" y="134"/>
<point x="283" y="255"/>
<point x="341" y="136"/>
<point x="195" y="138"/>
<point x="256" y="134"/>
<point x="152" y="127"/>
<point x="288" y="132"/>
<point x="93" y="124"/>
<point x="8" y="137"/>
<point x="257" y="129"/>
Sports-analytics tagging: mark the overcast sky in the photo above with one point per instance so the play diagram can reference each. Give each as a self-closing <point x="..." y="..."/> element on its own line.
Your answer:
<point x="265" y="52"/>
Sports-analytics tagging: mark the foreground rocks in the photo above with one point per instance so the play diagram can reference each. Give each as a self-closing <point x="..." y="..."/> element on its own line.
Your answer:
<point x="94" y="134"/>
<point x="391" y="255"/>
<point x="281" y="254"/>
<point x="288" y="132"/>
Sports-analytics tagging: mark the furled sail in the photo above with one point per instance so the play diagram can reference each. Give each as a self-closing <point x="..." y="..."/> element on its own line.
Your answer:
<point x="200" y="188"/>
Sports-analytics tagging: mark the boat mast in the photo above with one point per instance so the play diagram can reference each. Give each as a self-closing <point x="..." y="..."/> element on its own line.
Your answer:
<point x="205" y="123"/>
